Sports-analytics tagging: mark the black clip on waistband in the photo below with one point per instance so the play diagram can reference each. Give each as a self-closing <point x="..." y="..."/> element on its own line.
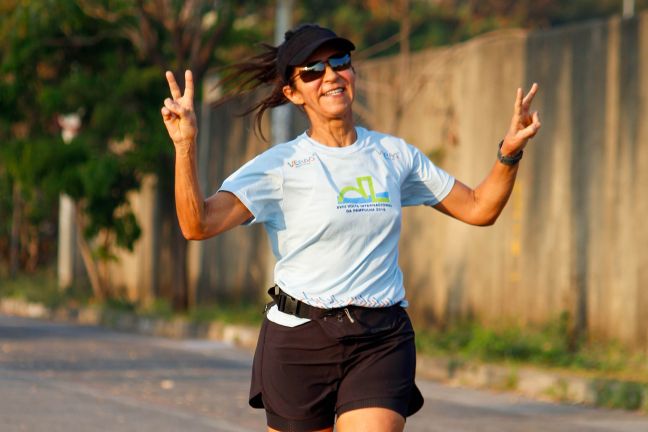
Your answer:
<point x="290" y="305"/>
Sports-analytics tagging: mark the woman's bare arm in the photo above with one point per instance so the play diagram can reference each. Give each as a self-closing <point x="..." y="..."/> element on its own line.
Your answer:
<point x="483" y="205"/>
<point x="199" y="218"/>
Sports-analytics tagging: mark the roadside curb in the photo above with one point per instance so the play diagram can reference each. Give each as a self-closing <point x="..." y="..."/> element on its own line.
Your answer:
<point x="540" y="384"/>
<point x="177" y="328"/>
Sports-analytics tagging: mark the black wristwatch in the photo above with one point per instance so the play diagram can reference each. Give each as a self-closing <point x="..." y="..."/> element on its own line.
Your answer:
<point x="508" y="160"/>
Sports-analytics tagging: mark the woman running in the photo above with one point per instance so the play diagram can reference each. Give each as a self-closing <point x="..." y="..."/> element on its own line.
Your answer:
<point x="337" y="346"/>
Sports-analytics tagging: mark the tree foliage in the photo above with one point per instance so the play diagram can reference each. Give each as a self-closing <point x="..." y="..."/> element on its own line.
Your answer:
<point x="106" y="60"/>
<point x="374" y="24"/>
<point x="56" y="60"/>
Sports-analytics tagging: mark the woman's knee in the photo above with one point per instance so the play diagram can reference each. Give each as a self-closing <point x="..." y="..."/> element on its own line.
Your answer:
<point x="370" y="420"/>
<point x="321" y="430"/>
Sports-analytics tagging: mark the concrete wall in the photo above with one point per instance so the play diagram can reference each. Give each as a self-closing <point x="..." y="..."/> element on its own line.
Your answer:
<point x="573" y="236"/>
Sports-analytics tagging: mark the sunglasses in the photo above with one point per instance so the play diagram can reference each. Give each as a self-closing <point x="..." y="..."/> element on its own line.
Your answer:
<point x="316" y="70"/>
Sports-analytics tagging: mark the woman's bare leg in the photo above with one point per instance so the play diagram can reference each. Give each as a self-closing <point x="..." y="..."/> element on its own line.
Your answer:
<point x="370" y="420"/>
<point x="321" y="430"/>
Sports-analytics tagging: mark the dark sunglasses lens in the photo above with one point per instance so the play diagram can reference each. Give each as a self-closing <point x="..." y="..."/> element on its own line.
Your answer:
<point x="316" y="70"/>
<point x="312" y="71"/>
<point x="340" y="63"/>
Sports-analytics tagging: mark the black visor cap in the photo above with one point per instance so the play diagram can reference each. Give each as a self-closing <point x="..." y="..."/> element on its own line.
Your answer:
<point x="302" y="42"/>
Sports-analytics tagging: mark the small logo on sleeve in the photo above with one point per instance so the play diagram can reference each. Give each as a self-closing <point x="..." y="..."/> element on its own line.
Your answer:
<point x="389" y="156"/>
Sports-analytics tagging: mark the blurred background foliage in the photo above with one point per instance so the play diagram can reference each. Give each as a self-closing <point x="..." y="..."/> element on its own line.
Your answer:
<point x="441" y="22"/>
<point x="105" y="60"/>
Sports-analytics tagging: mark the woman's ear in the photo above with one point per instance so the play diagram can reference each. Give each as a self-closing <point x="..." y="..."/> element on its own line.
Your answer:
<point x="293" y="95"/>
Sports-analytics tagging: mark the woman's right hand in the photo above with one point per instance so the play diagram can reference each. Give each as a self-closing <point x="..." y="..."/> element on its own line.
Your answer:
<point x="179" y="115"/>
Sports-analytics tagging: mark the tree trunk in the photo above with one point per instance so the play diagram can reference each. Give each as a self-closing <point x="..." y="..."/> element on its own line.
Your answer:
<point x="14" y="247"/>
<point x="86" y="255"/>
<point x="180" y="284"/>
<point x="103" y="265"/>
<point x="33" y="250"/>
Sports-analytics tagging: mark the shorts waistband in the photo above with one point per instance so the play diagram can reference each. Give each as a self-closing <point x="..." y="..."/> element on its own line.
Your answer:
<point x="290" y="305"/>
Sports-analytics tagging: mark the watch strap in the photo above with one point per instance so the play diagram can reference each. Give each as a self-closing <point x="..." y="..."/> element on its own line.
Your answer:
<point x="508" y="160"/>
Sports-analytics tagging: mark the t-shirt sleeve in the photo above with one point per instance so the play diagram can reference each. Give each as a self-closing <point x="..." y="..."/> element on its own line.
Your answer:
<point x="426" y="183"/>
<point x="258" y="184"/>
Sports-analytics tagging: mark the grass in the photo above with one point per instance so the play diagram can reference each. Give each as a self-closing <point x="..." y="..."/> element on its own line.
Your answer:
<point x="545" y="346"/>
<point x="42" y="288"/>
<point x="228" y="313"/>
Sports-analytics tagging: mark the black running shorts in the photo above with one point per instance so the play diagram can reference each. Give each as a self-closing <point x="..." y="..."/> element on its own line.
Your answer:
<point x="359" y="358"/>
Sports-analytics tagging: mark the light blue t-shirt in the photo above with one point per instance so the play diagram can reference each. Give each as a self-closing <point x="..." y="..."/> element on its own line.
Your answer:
<point x="333" y="215"/>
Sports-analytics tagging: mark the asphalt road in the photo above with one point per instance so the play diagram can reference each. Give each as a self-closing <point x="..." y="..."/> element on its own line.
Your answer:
<point x="59" y="377"/>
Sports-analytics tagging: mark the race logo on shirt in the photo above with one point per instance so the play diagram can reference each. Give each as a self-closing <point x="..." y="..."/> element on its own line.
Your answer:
<point x="363" y="197"/>
<point x="359" y="194"/>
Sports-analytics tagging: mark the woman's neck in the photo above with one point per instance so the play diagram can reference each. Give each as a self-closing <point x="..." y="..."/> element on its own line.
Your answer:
<point x="333" y="133"/>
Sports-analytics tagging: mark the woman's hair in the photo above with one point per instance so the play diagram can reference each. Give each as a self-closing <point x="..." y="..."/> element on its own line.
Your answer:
<point x="257" y="71"/>
<point x="273" y="67"/>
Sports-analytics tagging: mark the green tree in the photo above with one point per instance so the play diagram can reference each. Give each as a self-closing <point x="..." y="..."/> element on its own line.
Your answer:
<point x="106" y="59"/>
<point x="177" y="35"/>
<point x="44" y="72"/>
<point x="374" y="25"/>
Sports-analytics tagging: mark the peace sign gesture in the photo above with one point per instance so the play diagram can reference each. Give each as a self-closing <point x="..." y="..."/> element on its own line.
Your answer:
<point x="178" y="113"/>
<point x="524" y="124"/>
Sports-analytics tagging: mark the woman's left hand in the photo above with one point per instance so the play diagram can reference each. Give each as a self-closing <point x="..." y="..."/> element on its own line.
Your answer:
<point x="524" y="124"/>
